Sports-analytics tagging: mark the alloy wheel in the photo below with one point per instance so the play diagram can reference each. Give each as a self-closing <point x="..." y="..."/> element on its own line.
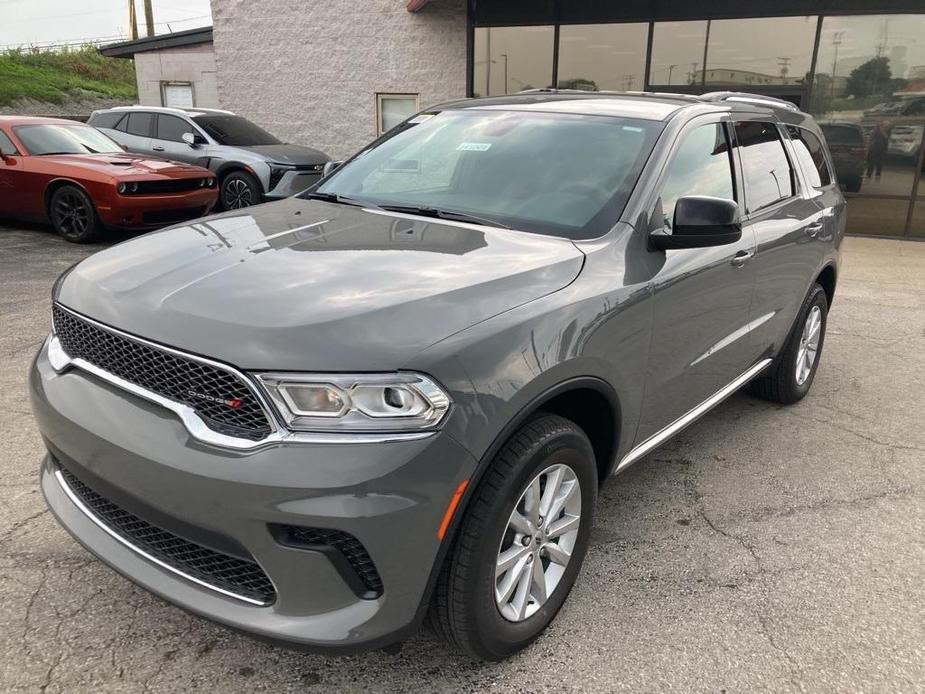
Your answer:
<point x="236" y="194"/>
<point x="537" y="542"/>
<point x="71" y="214"/>
<point x="808" y="348"/>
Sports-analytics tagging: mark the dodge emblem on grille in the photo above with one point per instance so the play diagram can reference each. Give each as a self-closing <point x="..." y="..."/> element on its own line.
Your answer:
<point x="233" y="403"/>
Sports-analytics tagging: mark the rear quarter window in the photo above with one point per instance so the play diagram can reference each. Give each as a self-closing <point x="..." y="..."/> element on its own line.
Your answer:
<point x="106" y="120"/>
<point x="811" y="154"/>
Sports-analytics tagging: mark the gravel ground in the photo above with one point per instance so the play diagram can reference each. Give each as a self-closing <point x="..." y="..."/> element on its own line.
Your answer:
<point x="764" y="549"/>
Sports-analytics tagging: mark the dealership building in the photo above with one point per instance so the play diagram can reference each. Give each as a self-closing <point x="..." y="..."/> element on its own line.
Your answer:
<point x="335" y="74"/>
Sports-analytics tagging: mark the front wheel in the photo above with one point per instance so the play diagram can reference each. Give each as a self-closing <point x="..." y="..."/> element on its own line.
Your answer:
<point x="792" y="374"/>
<point x="239" y="189"/>
<point x="73" y="215"/>
<point x="522" y="541"/>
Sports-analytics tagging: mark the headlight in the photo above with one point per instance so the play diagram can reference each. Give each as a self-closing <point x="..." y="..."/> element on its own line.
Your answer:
<point x="399" y="402"/>
<point x="210" y="182"/>
<point x="122" y="187"/>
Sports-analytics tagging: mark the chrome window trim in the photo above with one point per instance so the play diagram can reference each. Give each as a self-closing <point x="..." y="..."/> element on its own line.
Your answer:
<point x="76" y="500"/>
<point x="60" y="361"/>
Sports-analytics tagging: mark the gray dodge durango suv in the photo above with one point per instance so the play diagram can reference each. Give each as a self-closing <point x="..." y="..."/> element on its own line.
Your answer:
<point x="394" y="396"/>
<point x="251" y="164"/>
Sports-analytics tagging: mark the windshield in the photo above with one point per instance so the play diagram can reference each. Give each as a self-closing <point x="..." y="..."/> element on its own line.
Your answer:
<point x="561" y="174"/>
<point x="64" y="139"/>
<point x="235" y="131"/>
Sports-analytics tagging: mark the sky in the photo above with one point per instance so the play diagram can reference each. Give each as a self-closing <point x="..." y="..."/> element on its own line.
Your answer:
<point x="52" y="21"/>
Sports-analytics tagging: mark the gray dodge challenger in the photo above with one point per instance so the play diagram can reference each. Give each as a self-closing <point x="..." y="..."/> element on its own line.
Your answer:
<point x="391" y="399"/>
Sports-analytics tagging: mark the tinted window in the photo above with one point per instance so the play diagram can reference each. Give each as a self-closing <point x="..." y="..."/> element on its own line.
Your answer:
<point x="843" y="134"/>
<point x="511" y="59"/>
<point x="562" y="174"/>
<point x="172" y="128"/>
<point x="64" y="139"/>
<point x="107" y="119"/>
<point x="6" y="145"/>
<point x="811" y="155"/>
<point x="235" y="131"/>
<point x="140" y="124"/>
<point x="764" y="163"/>
<point x="700" y="166"/>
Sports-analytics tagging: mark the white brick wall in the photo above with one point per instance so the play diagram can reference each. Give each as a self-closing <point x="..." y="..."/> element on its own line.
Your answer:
<point x="194" y="64"/>
<point x="308" y="70"/>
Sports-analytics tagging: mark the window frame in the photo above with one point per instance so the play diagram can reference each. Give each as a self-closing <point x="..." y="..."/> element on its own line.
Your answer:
<point x="825" y="154"/>
<point x="385" y="96"/>
<point x="711" y="119"/>
<point x="795" y="181"/>
<point x="177" y="83"/>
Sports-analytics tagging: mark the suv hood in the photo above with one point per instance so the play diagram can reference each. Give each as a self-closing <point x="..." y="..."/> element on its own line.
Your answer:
<point x="307" y="285"/>
<point x="289" y="154"/>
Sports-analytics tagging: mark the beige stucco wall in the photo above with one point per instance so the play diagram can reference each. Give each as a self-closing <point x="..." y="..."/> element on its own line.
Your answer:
<point x="308" y="71"/>
<point x="194" y="64"/>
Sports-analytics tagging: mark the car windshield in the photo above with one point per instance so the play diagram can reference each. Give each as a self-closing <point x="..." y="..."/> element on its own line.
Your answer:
<point x="561" y="174"/>
<point x="64" y="139"/>
<point x="235" y="131"/>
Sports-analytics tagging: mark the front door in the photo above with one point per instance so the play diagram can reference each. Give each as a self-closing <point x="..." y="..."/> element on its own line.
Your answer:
<point x="701" y="297"/>
<point x="168" y="139"/>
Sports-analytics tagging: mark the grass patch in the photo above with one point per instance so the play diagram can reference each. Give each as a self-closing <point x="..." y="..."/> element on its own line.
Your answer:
<point x="54" y="76"/>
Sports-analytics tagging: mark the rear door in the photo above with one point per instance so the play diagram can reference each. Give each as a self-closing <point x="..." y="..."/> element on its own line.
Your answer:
<point x="789" y="223"/>
<point x="135" y="131"/>
<point x="701" y="296"/>
<point x="168" y="139"/>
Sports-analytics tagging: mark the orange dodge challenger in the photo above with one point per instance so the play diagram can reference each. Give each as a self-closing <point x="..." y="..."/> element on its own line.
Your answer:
<point x="75" y="177"/>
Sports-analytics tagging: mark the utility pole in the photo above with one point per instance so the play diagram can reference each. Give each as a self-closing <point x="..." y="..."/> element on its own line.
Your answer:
<point x="836" y="42"/>
<point x="132" y="20"/>
<point x="671" y="68"/>
<point x="784" y="63"/>
<point x="149" y="17"/>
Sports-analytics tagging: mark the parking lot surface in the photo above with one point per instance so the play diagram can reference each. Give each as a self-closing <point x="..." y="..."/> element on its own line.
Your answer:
<point x="765" y="548"/>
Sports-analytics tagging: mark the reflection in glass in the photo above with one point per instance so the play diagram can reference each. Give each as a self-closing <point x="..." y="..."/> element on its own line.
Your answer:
<point x="677" y="53"/>
<point x="760" y="52"/>
<point x="768" y="177"/>
<point x="603" y="56"/>
<point x="877" y="216"/>
<point x="511" y="59"/>
<point x="918" y="220"/>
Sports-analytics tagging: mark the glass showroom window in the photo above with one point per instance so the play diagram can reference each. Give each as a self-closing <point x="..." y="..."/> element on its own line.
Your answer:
<point x="603" y="56"/>
<point x="869" y="97"/>
<point x="760" y="53"/>
<point x="511" y="59"/>
<point x="392" y="109"/>
<point x="677" y="53"/>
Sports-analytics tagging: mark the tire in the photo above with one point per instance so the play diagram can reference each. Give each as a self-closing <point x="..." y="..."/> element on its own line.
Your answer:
<point x="73" y="216"/>
<point x="239" y="189"/>
<point x="782" y="383"/>
<point x="465" y="610"/>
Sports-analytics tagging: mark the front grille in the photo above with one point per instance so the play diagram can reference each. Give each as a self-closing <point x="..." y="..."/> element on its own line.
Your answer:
<point x="171" y="185"/>
<point x="347" y="547"/>
<point x="223" y="401"/>
<point x="230" y="574"/>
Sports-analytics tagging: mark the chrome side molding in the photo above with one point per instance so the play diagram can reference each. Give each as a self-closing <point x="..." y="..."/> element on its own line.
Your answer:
<point x="690" y="417"/>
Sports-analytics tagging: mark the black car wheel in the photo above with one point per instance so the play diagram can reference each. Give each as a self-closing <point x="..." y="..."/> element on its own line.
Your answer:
<point x="239" y="189"/>
<point x="791" y="375"/>
<point x="522" y="541"/>
<point x="73" y="215"/>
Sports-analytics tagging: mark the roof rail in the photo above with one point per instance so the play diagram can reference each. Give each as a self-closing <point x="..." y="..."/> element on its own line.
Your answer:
<point x="748" y="98"/>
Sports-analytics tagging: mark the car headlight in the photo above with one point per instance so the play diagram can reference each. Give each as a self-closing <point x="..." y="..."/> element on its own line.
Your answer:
<point x="398" y="402"/>
<point x="122" y="187"/>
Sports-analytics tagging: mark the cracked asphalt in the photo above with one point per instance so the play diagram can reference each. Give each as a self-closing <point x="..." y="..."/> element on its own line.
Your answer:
<point x="763" y="549"/>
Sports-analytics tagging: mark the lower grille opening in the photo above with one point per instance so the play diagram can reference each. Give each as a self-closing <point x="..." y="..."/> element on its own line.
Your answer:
<point x="239" y="577"/>
<point x="346" y="553"/>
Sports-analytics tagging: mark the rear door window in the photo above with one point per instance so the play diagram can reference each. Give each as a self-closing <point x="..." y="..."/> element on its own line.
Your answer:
<point x="765" y="167"/>
<point x="811" y="154"/>
<point x="140" y="124"/>
<point x="106" y="120"/>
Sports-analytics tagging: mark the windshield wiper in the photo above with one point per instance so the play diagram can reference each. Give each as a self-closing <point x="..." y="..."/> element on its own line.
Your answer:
<point x="445" y="214"/>
<point x="342" y="200"/>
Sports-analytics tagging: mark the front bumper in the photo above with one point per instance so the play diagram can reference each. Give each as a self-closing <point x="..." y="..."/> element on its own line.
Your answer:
<point x="294" y="182"/>
<point x="127" y="211"/>
<point x="391" y="497"/>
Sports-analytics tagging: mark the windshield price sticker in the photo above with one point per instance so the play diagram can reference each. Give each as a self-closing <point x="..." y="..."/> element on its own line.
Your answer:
<point x="473" y="147"/>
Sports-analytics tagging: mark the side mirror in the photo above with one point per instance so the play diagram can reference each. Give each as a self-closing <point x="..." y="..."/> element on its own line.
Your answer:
<point x="193" y="139"/>
<point x="700" y="221"/>
<point x="330" y="167"/>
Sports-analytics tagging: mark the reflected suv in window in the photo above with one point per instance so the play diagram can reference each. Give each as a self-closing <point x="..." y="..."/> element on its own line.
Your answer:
<point x="251" y="164"/>
<point x="394" y="397"/>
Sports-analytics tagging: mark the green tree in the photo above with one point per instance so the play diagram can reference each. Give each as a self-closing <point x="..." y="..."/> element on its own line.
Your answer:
<point x="579" y="83"/>
<point x="871" y="78"/>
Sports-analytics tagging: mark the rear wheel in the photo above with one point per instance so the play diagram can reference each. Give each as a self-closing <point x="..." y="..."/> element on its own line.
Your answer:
<point x="522" y="541"/>
<point x="792" y="374"/>
<point x="239" y="189"/>
<point x="73" y="215"/>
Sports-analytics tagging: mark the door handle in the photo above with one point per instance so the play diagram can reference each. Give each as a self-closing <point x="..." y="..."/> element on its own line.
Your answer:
<point x="742" y="257"/>
<point x="813" y="229"/>
<point x="157" y="148"/>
